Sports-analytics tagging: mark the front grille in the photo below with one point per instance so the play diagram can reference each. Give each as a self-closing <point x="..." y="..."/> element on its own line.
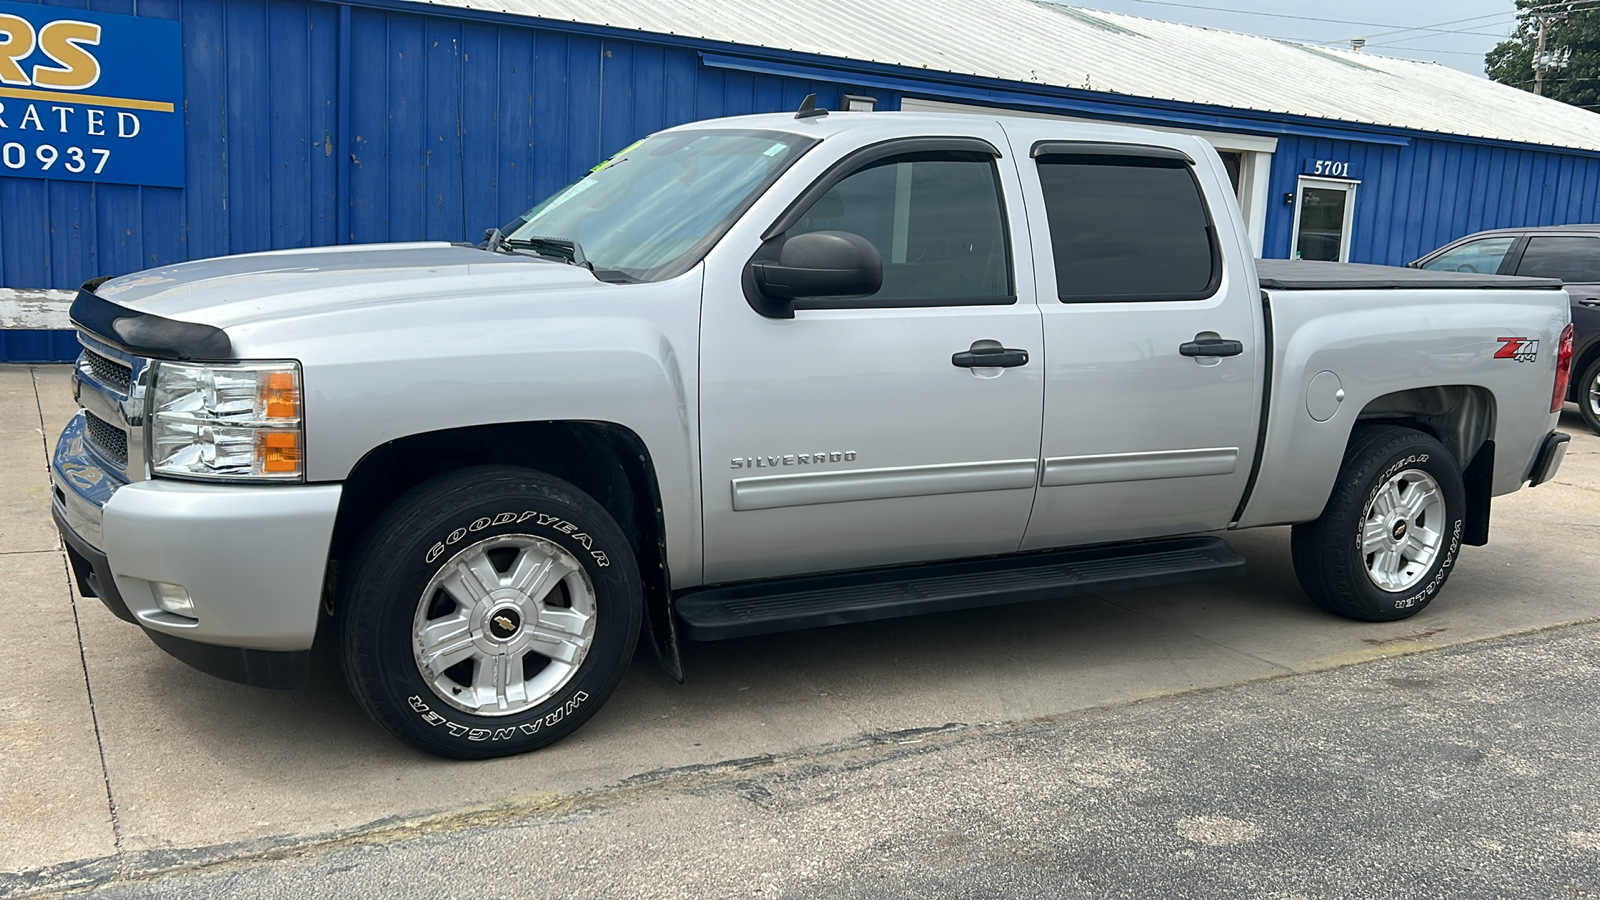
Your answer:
<point x="109" y="372"/>
<point x="107" y="438"/>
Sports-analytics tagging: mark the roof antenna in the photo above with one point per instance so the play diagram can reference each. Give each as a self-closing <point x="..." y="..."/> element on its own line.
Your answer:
<point x="808" y="108"/>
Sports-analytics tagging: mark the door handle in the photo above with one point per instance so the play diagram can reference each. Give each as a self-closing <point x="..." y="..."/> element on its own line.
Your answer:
<point x="990" y="357"/>
<point x="1589" y="301"/>
<point x="1210" y="346"/>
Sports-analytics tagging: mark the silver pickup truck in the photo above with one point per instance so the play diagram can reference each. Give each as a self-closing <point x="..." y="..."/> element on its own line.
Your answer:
<point x="767" y="373"/>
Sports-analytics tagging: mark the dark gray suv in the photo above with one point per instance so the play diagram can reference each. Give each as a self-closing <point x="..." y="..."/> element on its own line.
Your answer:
<point x="1568" y="252"/>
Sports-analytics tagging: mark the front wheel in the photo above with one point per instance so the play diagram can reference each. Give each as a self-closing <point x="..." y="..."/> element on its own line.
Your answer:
<point x="1588" y="396"/>
<point x="1389" y="536"/>
<point x="489" y="612"/>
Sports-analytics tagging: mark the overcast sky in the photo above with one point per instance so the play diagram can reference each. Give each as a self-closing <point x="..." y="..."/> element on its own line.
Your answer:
<point x="1455" y="43"/>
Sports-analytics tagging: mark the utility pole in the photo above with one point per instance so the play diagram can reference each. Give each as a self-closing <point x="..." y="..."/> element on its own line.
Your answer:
<point x="1544" y="57"/>
<point x="1538" y="61"/>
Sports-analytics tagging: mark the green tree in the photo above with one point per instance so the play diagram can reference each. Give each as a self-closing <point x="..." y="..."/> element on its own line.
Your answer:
<point x="1572" y="33"/>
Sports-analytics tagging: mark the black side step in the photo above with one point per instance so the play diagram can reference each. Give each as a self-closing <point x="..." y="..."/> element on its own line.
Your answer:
<point x="742" y="610"/>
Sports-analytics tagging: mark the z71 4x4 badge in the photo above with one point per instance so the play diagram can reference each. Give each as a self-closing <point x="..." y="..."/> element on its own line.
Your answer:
<point x="1517" y="348"/>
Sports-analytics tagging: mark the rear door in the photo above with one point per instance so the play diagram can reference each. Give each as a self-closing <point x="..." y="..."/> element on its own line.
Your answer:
<point x="1575" y="259"/>
<point x="1135" y="270"/>
<point x="852" y="435"/>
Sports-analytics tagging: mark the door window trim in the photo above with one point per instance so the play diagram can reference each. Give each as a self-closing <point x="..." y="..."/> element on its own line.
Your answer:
<point x="1508" y="266"/>
<point x="1043" y="150"/>
<point x="850" y="164"/>
<point x="871" y="153"/>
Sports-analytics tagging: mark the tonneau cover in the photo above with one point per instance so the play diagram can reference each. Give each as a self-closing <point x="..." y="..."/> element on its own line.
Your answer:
<point x="1309" y="275"/>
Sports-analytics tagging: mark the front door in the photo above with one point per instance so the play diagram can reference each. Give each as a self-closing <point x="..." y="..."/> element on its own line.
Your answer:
<point x="1324" y="210"/>
<point x="848" y="436"/>
<point x="1154" y="352"/>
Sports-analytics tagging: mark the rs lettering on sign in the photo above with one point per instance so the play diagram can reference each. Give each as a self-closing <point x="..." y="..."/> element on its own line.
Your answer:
<point x="87" y="96"/>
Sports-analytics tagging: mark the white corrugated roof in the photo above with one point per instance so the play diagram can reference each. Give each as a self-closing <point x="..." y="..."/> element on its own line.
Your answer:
<point x="1065" y="46"/>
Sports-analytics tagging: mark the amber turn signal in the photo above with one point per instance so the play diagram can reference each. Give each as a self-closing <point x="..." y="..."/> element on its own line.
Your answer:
<point x="280" y="397"/>
<point x="278" y="451"/>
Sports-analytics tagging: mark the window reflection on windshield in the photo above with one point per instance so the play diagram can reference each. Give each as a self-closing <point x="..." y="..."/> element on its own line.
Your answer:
<point x="653" y="210"/>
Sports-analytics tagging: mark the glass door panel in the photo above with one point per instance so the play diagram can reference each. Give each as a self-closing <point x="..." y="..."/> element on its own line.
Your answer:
<point x="1322" y="225"/>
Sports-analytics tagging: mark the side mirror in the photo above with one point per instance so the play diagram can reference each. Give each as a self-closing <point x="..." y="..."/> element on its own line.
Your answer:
<point x="817" y="264"/>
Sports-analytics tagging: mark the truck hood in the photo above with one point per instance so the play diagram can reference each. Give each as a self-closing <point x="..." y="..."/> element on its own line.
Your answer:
<point x="256" y="287"/>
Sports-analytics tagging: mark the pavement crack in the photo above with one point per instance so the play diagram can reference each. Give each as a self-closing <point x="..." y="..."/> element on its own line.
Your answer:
<point x="83" y="659"/>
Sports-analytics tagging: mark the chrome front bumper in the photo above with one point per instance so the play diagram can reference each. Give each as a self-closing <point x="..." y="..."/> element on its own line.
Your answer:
<point x="252" y="557"/>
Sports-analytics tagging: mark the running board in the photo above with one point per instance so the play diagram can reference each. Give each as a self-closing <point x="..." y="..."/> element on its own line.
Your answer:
<point x="742" y="610"/>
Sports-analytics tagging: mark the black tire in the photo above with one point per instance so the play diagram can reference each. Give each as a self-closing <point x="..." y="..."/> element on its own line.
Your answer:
<point x="1585" y="393"/>
<point x="1328" y="556"/>
<point x="432" y="527"/>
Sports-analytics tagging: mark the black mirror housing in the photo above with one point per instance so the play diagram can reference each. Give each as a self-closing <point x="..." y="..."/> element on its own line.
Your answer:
<point x="818" y="264"/>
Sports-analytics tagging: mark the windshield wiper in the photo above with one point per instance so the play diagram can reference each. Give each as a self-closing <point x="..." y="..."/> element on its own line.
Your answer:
<point x="495" y="241"/>
<point x="564" y="249"/>
<point x="557" y="248"/>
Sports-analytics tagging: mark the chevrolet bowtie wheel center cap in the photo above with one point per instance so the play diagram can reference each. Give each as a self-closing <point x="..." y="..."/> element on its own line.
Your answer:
<point x="1399" y="530"/>
<point x="504" y="623"/>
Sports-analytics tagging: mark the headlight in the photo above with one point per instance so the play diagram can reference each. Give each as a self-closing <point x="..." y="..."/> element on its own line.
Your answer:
<point x="227" y="420"/>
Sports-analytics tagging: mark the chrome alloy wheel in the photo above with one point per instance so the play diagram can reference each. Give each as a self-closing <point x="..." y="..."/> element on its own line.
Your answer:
<point x="1594" y="395"/>
<point x="1402" y="531"/>
<point x="504" y="625"/>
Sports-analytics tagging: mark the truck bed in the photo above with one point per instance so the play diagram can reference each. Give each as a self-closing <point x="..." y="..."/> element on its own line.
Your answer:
<point x="1308" y="275"/>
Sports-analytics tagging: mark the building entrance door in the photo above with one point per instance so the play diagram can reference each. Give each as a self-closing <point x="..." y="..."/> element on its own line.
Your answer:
<point x="1324" y="211"/>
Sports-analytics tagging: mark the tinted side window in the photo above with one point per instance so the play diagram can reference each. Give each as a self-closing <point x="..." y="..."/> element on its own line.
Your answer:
<point x="1575" y="260"/>
<point x="936" y="220"/>
<point x="1128" y="228"/>
<point x="1476" y="256"/>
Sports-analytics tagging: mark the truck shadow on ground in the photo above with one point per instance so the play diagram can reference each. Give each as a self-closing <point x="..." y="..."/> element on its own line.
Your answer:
<point x="780" y="693"/>
<point x="311" y="763"/>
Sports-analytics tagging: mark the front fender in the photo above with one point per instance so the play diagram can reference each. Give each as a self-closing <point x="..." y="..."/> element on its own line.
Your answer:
<point x="622" y="354"/>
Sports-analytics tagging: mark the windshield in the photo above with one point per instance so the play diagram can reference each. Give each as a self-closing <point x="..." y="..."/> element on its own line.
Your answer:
<point x="653" y="210"/>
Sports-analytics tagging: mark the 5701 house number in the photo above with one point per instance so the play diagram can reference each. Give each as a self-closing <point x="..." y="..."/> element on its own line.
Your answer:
<point x="1331" y="168"/>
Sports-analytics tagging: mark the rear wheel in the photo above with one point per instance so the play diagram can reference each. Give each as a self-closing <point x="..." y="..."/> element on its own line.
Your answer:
<point x="489" y="612"/>
<point x="1588" y="395"/>
<point x="1389" y="536"/>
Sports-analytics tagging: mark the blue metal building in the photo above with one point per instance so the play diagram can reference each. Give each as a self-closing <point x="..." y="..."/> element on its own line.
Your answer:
<point x="305" y="122"/>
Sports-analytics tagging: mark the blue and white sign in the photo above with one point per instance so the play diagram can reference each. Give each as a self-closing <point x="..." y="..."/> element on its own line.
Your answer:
<point x="87" y="96"/>
<point x="1331" y="168"/>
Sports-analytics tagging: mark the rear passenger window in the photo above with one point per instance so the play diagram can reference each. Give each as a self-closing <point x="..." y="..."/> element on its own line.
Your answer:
<point x="1128" y="228"/>
<point x="936" y="220"/>
<point x="1575" y="260"/>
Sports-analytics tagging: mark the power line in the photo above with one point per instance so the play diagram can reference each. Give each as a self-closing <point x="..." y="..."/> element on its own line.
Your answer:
<point x="1439" y="25"/>
<point x="1425" y="50"/>
<point x="1253" y="12"/>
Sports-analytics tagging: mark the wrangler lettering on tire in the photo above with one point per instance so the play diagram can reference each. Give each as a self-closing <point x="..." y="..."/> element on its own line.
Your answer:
<point x="483" y="615"/>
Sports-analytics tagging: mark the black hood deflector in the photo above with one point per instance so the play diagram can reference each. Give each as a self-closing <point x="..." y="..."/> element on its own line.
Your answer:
<point x="144" y="334"/>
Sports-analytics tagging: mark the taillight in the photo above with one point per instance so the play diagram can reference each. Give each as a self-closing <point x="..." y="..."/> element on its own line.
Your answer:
<point x="1563" y="370"/>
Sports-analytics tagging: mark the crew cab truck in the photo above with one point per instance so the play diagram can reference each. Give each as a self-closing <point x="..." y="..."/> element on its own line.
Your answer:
<point x="767" y="373"/>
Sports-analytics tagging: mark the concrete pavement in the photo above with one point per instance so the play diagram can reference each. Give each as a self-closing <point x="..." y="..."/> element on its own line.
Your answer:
<point x="119" y="761"/>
